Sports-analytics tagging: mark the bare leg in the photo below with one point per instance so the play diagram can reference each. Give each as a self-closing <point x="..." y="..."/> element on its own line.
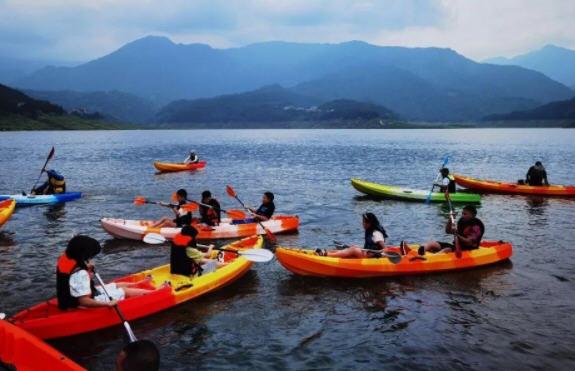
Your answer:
<point x="432" y="246"/>
<point x="131" y="292"/>
<point x="164" y="222"/>
<point x="350" y="252"/>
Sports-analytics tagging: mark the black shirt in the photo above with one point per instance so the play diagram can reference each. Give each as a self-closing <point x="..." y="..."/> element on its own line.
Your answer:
<point x="266" y="210"/>
<point x="207" y="214"/>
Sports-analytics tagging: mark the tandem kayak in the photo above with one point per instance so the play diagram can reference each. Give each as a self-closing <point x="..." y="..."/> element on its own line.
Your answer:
<point x="47" y="321"/>
<point x="406" y="194"/>
<point x="171" y="167"/>
<point x="511" y="188"/>
<point x="137" y="229"/>
<point x="306" y="263"/>
<point x="6" y="210"/>
<point x="29" y="200"/>
<point x="20" y="350"/>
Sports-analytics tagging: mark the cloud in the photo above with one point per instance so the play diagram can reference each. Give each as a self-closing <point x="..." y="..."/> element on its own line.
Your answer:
<point x="86" y="29"/>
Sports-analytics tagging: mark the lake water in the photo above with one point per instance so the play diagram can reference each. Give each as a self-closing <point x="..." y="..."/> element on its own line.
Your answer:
<point x="509" y="316"/>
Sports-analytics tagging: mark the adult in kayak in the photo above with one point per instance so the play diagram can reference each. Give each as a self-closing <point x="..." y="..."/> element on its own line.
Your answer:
<point x="186" y="259"/>
<point x="266" y="209"/>
<point x="140" y="355"/>
<point x="447" y="181"/>
<point x="537" y="175"/>
<point x="210" y="216"/>
<point x="469" y="231"/>
<point x="55" y="184"/>
<point x="182" y="217"/>
<point x="375" y="236"/>
<point x="192" y="158"/>
<point x="74" y="278"/>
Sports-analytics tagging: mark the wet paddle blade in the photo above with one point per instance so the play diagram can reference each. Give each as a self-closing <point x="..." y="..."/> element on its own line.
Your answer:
<point x="393" y="257"/>
<point x="230" y="191"/>
<point x="139" y="200"/>
<point x="236" y="214"/>
<point x="190" y="207"/>
<point x="154" y="239"/>
<point x="174" y="197"/>
<point x="51" y="154"/>
<point x="257" y="255"/>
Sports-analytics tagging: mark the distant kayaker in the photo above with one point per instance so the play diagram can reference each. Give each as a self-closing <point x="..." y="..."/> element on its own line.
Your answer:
<point x="140" y="355"/>
<point x="55" y="184"/>
<point x="537" y="175"/>
<point x="266" y="209"/>
<point x="447" y="182"/>
<point x="469" y="231"/>
<point x="186" y="259"/>
<point x="375" y="236"/>
<point x="192" y="158"/>
<point x="183" y="217"/>
<point x="74" y="278"/>
<point x="210" y="216"/>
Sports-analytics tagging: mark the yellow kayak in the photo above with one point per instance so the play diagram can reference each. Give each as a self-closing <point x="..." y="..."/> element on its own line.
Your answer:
<point x="6" y="210"/>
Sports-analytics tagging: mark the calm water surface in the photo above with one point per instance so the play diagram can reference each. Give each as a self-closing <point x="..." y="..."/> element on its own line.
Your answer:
<point x="512" y="316"/>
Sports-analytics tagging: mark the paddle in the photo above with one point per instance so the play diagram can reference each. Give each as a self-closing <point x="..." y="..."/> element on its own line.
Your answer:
<point x="234" y="214"/>
<point x="141" y="200"/>
<point x="445" y="160"/>
<point x="453" y="225"/>
<point x="129" y="331"/>
<point x="50" y="155"/>
<point x="393" y="257"/>
<point x="232" y="193"/>
<point x="253" y="255"/>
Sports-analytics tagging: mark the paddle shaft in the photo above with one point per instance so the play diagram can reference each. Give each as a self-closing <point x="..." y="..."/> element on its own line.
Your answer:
<point x="210" y="206"/>
<point x="50" y="155"/>
<point x="268" y="232"/>
<point x="428" y="199"/>
<point x="453" y="225"/>
<point x="129" y="331"/>
<point x="382" y="252"/>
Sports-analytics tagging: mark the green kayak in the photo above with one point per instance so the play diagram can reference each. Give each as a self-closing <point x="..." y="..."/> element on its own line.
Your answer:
<point x="406" y="194"/>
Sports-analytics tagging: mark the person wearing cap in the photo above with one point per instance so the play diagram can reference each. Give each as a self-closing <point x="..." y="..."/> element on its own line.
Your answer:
<point x="537" y="175"/>
<point x="192" y="158"/>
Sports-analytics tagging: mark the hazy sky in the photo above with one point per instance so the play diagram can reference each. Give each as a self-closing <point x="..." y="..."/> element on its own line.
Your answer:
<point x="79" y="30"/>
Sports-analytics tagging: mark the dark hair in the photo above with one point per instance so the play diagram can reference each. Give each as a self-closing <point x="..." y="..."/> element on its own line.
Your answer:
<point x="188" y="230"/>
<point x="538" y="163"/>
<point x="182" y="193"/>
<point x="269" y="195"/>
<point x="472" y="209"/>
<point x="374" y="223"/>
<point x="141" y="355"/>
<point x="82" y="248"/>
<point x="206" y="194"/>
<point x="444" y="171"/>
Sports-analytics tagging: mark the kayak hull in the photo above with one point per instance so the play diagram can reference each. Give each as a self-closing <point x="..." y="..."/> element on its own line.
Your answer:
<point x="24" y="351"/>
<point x="167" y="167"/>
<point x="137" y="229"/>
<point x="491" y="186"/>
<point x="306" y="263"/>
<point x="6" y="210"/>
<point x="46" y="321"/>
<point x="406" y="194"/>
<point x="30" y="200"/>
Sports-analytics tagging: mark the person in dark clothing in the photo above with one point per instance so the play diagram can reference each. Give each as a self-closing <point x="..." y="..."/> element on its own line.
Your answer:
<point x="55" y="184"/>
<point x="537" y="175"/>
<point x="182" y="216"/>
<point x="210" y="216"/>
<point x="447" y="182"/>
<point x="266" y="209"/>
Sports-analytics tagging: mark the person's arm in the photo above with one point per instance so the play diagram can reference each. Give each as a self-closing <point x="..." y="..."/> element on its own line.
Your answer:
<point x="449" y="227"/>
<point x="473" y="237"/>
<point x="87" y="301"/>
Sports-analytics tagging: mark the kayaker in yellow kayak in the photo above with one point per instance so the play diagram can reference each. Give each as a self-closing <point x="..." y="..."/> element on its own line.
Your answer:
<point x="537" y="175"/>
<point x="186" y="259"/>
<point x="192" y="158"/>
<point x="447" y="182"/>
<point x="140" y="355"/>
<point x="469" y="231"/>
<point x="182" y="216"/>
<point x="55" y="184"/>
<point x="375" y="236"/>
<point x="74" y="278"/>
<point x="210" y="216"/>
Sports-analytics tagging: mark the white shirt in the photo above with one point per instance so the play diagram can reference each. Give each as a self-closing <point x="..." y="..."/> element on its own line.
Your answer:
<point x="377" y="237"/>
<point x="80" y="286"/>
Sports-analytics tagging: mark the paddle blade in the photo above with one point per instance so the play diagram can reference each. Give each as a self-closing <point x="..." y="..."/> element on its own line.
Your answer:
<point x="257" y="255"/>
<point x="189" y="207"/>
<point x="271" y="237"/>
<point x="174" y="197"/>
<point x="154" y="239"/>
<point x="51" y="154"/>
<point x="236" y="214"/>
<point x="139" y="200"/>
<point x="393" y="256"/>
<point x="445" y="161"/>
<point x="230" y="191"/>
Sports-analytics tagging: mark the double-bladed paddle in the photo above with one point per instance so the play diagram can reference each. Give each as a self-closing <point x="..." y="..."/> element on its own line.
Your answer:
<point x="141" y="200"/>
<point x="445" y="161"/>
<point x="50" y="156"/>
<point x="453" y="224"/>
<point x="393" y="257"/>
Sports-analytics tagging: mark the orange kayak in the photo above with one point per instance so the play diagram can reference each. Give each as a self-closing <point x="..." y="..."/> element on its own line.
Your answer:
<point x="47" y="321"/>
<point x="137" y="229"/>
<point x="511" y="188"/>
<point x="306" y="263"/>
<point x="26" y="352"/>
<point x="171" y="167"/>
<point x="6" y="209"/>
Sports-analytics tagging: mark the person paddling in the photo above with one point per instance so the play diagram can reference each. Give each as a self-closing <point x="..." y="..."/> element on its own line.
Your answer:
<point x="55" y="184"/>
<point x="266" y="209"/>
<point x="469" y="231"/>
<point x="74" y="278"/>
<point x="537" y="175"/>
<point x="186" y="259"/>
<point x="192" y="158"/>
<point x="375" y="236"/>
<point x="182" y="216"/>
<point x="210" y="216"/>
<point x="447" y="181"/>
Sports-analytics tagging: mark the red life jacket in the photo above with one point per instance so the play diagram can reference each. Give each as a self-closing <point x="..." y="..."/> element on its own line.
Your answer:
<point x="180" y="263"/>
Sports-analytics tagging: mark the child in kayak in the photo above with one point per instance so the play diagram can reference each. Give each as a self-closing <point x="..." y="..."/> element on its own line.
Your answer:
<point x="375" y="236"/>
<point x="182" y="218"/>
<point x="192" y="158"/>
<point x="447" y="182"/>
<point x="266" y="209"/>
<point x="210" y="216"/>
<point x="469" y="231"/>
<point x="54" y="185"/>
<point x="74" y="278"/>
<point x="186" y="259"/>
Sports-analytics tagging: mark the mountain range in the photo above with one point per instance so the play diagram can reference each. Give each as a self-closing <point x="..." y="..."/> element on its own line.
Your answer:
<point x="555" y="111"/>
<point x="418" y="84"/>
